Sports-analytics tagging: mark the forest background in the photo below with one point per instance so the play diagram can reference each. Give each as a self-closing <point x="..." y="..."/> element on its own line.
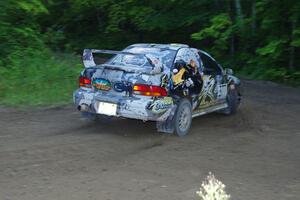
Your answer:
<point x="41" y="40"/>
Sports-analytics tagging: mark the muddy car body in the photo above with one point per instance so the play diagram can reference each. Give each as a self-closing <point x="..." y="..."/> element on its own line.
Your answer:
<point x="166" y="83"/>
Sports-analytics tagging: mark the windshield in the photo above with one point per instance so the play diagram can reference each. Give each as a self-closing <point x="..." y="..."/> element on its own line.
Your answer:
<point x="145" y="57"/>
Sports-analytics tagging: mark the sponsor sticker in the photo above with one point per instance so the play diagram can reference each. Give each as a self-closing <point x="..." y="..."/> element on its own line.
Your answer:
<point x="101" y="84"/>
<point x="161" y="105"/>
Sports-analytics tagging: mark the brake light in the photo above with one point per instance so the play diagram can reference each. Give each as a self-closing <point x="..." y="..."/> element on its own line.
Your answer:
<point x="84" y="82"/>
<point x="149" y="90"/>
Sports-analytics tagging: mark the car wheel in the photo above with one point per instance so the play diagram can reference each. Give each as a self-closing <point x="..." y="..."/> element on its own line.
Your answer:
<point x="183" y="118"/>
<point x="232" y="101"/>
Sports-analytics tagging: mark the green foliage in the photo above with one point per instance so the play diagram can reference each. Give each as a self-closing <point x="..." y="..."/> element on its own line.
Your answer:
<point x="30" y="74"/>
<point x="273" y="48"/>
<point x="258" y="38"/>
<point x="269" y="54"/>
<point x="117" y="16"/>
<point x="219" y="25"/>
<point x="220" y="31"/>
<point x="274" y="74"/>
<point x="40" y="78"/>
<point x="296" y="38"/>
<point x="139" y="16"/>
<point x="32" y="6"/>
<point x="19" y="29"/>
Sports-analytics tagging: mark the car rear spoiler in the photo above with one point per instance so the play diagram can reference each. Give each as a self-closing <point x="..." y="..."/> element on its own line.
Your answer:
<point x="88" y="59"/>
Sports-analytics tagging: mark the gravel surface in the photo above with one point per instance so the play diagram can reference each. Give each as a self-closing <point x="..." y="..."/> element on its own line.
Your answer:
<point x="54" y="154"/>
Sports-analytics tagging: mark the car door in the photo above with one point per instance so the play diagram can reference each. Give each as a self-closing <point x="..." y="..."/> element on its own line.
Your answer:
<point x="213" y="88"/>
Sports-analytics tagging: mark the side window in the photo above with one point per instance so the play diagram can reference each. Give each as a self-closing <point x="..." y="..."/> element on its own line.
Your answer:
<point x="182" y="54"/>
<point x="188" y="56"/>
<point x="210" y="66"/>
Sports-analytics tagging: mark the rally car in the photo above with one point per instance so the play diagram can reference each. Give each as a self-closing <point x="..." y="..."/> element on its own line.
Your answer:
<point x="166" y="83"/>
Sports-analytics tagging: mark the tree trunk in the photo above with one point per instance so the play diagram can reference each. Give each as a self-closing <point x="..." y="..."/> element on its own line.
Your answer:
<point x="239" y="13"/>
<point x="232" y="39"/>
<point x="292" y="48"/>
<point x="217" y="5"/>
<point x="253" y="13"/>
<point x="232" y="45"/>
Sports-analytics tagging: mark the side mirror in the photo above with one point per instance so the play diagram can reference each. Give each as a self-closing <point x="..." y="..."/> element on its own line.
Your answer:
<point x="228" y="71"/>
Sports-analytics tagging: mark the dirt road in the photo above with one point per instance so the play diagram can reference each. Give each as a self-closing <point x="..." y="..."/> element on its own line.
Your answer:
<point x="53" y="154"/>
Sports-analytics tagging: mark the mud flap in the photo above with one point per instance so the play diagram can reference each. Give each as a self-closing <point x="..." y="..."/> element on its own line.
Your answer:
<point x="166" y="125"/>
<point x="88" y="115"/>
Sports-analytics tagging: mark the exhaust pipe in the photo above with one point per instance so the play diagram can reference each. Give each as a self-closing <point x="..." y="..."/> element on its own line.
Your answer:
<point x="83" y="107"/>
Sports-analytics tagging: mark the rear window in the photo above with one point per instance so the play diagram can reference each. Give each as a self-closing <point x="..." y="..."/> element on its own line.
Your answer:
<point x="100" y="58"/>
<point x="138" y="60"/>
<point x="166" y="56"/>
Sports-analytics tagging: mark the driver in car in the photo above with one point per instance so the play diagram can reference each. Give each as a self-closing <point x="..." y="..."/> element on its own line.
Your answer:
<point x="187" y="78"/>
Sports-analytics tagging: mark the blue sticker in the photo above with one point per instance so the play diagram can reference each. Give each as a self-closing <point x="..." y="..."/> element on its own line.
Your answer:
<point x="101" y="84"/>
<point x="122" y="86"/>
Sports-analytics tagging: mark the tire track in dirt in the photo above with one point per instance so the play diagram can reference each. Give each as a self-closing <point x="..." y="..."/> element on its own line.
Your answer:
<point x="52" y="154"/>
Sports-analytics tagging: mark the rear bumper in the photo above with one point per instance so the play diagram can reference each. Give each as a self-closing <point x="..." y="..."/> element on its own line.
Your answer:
<point x="127" y="107"/>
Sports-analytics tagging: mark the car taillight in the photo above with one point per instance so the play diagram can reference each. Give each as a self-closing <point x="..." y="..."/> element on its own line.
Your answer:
<point x="84" y="82"/>
<point x="149" y="90"/>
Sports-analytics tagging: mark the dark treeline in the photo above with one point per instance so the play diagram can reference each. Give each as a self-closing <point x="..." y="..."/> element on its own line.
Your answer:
<point x="259" y="38"/>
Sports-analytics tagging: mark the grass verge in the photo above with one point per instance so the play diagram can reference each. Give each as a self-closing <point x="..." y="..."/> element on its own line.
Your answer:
<point x="47" y="79"/>
<point x="41" y="79"/>
<point x="279" y="75"/>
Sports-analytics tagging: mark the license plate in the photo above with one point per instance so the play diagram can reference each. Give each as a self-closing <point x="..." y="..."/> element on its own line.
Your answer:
<point x="107" y="108"/>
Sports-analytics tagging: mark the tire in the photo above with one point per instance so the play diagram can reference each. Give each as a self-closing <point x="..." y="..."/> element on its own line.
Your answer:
<point x="183" y="118"/>
<point x="232" y="101"/>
